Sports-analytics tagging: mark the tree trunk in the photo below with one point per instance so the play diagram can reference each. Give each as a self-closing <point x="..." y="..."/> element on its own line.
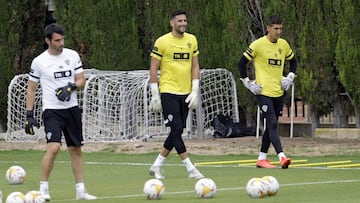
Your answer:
<point x="357" y="118"/>
<point x="340" y="117"/>
<point x="315" y="121"/>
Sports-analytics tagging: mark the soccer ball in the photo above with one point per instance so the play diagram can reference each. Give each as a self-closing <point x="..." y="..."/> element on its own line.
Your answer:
<point x="15" y="175"/>
<point x="205" y="188"/>
<point x="154" y="189"/>
<point x="255" y="188"/>
<point x="34" y="196"/>
<point x="15" y="197"/>
<point x="272" y="185"/>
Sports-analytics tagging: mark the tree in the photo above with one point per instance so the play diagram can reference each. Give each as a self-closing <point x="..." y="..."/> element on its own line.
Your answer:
<point x="348" y="50"/>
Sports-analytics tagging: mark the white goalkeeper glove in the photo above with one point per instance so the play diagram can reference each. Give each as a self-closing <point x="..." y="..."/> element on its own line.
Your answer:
<point x="192" y="99"/>
<point x="251" y="85"/>
<point x="287" y="81"/>
<point x="155" y="102"/>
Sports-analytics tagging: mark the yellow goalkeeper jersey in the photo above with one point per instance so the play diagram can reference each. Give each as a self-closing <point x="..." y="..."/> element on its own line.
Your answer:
<point x="175" y="55"/>
<point x="269" y="59"/>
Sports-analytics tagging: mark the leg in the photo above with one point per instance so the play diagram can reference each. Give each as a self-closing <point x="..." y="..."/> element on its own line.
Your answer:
<point x="266" y="107"/>
<point x="73" y="137"/>
<point x="77" y="163"/>
<point x="270" y="108"/>
<point x="49" y="159"/>
<point x="47" y="165"/>
<point x="278" y="104"/>
<point x="53" y="125"/>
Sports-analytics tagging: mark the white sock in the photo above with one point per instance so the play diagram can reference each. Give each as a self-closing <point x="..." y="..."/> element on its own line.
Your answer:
<point x="159" y="160"/>
<point x="262" y="156"/>
<point x="80" y="187"/>
<point x="44" y="186"/>
<point x="189" y="166"/>
<point x="281" y="155"/>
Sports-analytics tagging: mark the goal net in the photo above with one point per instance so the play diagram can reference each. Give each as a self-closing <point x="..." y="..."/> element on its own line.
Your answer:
<point x="115" y="107"/>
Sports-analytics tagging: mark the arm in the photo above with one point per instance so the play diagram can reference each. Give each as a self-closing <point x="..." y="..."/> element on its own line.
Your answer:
<point x="30" y="95"/>
<point x="287" y="81"/>
<point x="155" y="102"/>
<point x="192" y="98"/>
<point x="30" y="122"/>
<point x="154" y="66"/>
<point x="80" y="80"/>
<point x="252" y="86"/>
<point x="293" y="65"/>
<point x="195" y="68"/>
<point x="242" y="66"/>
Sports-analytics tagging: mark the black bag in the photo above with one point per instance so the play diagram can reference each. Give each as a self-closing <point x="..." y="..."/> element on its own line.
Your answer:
<point x="224" y="127"/>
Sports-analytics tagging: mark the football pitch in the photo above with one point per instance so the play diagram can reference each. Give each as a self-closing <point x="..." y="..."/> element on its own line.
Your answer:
<point x="115" y="177"/>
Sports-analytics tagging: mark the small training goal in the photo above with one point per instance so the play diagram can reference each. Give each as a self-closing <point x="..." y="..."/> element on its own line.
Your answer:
<point x="115" y="106"/>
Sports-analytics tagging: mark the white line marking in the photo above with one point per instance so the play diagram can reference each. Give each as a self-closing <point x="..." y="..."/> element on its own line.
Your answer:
<point x="221" y="189"/>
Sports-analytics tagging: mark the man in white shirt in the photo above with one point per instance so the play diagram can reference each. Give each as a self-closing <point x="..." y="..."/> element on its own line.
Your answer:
<point x="60" y="73"/>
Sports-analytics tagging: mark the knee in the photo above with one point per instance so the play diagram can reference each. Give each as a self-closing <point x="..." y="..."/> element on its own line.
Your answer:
<point x="53" y="148"/>
<point x="272" y="123"/>
<point x="75" y="151"/>
<point x="176" y="130"/>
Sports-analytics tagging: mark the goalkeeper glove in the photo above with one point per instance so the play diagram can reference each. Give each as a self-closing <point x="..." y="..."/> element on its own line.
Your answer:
<point x="192" y="98"/>
<point x="30" y="123"/>
<point x="64" y="93"/>
<point x="155" y="102"/>
<point x="251" y="85"/>
<point x="287" y="81"/>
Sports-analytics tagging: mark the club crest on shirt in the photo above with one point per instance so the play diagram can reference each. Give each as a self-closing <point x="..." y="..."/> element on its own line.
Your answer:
<point x="67" y="62"/>
<point x="189" y="45"/>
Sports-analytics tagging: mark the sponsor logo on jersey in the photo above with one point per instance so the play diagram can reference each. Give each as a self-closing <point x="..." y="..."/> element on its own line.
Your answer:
<point x="62" y="74"/>
<point x="181" y="56"/>
<point x="274" y="62"/>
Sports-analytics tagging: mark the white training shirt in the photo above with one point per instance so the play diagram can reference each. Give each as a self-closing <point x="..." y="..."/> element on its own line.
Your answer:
<point x="55" y="71"/>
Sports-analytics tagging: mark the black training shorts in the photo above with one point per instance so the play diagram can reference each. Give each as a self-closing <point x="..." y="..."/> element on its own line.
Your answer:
<point x="65" y="122"/>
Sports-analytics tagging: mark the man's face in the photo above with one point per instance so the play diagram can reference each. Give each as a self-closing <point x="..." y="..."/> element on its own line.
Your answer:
<point x="179" y="23"/>
<point x="56" y="44"/>
<point x="274" y="31"/>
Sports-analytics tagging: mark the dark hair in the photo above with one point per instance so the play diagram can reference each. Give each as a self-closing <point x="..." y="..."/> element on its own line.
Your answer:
<point x="274" y="19"/>
<point x="53" y="28"/>
<point x="176" y="13"/>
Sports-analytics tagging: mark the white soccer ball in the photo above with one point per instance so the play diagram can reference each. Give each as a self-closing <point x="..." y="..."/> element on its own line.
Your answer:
<point x="15" y="175"/>
<point x="15" y="197"/>
<point x="205" y="188"/>
<point x="255" y="188"/>
<point x="34" y="196"/>
<point x="154" y="189"/>
<point x="272" y="185"/>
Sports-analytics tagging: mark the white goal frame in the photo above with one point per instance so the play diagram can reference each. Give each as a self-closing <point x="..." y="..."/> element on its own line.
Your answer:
<point x="115" y="107"/>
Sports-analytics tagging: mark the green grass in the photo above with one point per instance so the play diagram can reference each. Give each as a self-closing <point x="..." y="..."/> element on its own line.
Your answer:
<point x="120" y="178"/>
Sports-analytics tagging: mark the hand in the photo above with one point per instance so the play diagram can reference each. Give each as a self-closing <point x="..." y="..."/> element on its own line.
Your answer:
<point x="155" y="102"/>
<point x="64" y="93"/>
<point x="252" y="86"/>
<point x="287" y="81"/>
<point x="30" y="123"/>
<point x="192" y="98"/>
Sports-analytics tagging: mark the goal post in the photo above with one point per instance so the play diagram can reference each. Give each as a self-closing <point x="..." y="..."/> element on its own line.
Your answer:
<point x="115" y="107"/>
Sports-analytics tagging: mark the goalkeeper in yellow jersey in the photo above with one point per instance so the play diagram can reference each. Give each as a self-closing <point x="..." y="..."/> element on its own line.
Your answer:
<point x="176" y="54"/>
<point x="269" y="54"/>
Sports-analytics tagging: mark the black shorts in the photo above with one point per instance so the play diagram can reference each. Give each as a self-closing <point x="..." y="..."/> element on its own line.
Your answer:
<point x="65" y="122"/>
<point x="175" y="110"/>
